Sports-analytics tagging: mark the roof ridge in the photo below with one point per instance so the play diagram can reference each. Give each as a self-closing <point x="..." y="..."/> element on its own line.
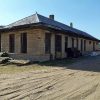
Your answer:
<point x="37" y="17"/>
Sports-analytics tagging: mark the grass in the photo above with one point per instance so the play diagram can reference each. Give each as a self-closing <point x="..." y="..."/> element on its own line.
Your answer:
<point x="11" y="69"/>
<point x="58" y="63"/>
<point x="63" y="62"/>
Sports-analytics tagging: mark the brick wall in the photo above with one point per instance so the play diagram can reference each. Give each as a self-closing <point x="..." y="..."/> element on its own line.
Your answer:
<point x="36" y="44"/>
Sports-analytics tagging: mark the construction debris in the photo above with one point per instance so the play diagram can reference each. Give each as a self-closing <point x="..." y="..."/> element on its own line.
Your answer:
<point x="19" y="62"/>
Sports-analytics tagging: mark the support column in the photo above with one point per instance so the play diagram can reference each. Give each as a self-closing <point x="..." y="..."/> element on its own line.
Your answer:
<point x="53" y="45"/>
<point x="63" y="46"/>
<point x="69" y="42"/>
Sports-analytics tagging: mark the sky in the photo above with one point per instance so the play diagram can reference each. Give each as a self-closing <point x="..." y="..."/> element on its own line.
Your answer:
<point x="85" y="14"/>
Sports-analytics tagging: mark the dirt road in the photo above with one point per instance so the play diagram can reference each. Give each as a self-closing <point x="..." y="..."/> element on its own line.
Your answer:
<point x="75" y="82"/>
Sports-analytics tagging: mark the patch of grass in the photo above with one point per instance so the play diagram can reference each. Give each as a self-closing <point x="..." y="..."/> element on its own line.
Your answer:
<point x="58" y="63"/>
<point x="63" y="62"/>
<point x="11" y="69"/>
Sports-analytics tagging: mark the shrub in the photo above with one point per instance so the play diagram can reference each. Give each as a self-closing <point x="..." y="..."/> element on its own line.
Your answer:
<point x="5" y="61"/>
<point x="5" y="54"/>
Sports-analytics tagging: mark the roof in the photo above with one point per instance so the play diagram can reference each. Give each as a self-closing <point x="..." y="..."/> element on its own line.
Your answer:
<point x="37" y="18"/>
<point x="1" y="27"/>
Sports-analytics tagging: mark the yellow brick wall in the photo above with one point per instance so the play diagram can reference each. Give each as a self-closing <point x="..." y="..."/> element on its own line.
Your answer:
<point x="96" y="45"/>
<point x="4" y="43"/>
<point x="17" y="42"/>
<point x="69" y="42"/>
<point x="36" y="43"/>
<point x="75" y="43"/>
<point x="89" y="46"/>
<point x="79" y="43"/>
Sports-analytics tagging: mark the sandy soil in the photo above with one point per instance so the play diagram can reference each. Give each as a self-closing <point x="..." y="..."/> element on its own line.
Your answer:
<point x="79" y="81"/>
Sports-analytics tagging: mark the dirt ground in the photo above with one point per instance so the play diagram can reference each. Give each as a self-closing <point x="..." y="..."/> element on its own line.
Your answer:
<point x="78" y="81"/>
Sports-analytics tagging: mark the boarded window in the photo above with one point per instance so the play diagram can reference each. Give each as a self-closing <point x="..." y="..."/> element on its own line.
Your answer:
<point x="11" y="43"/>
<point x="72" y="42"/>
<point x="84" y="45"/>
<point x="47" y="43"/>
<point x="66" y="44"/>
<point x="77" y="43"/>
<point x="58" y="43"/>
<point x="23" y="42"/>
<point x="81" y="45"/>
<point x="89" y="42"/>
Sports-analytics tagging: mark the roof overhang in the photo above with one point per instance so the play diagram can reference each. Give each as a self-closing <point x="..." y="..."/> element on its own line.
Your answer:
<point x="46" y="27"/>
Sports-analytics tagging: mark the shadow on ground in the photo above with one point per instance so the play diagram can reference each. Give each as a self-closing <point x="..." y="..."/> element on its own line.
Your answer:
<point x="83" y="63"/>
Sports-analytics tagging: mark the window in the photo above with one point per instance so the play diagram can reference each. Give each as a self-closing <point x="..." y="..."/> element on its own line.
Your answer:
<point x="96" y="43"/>
<point x="84" y="45"/>
<point x="89" y="42"/>
<point x="47" y="43"/>
<point x="66" y="43"/>
<point x="23" y="42"/>
<point x="72" y="42"/>
<point x="58" y="43"/>
<point x="77" y="43"/>
<point x="11" y="43"/>
<point x="81" y="45"/>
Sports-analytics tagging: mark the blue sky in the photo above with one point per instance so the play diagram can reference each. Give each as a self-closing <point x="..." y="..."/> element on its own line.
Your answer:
<point x="85" y="14"/>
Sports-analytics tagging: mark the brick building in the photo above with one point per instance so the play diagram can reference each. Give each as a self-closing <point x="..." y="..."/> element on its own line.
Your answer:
<point x="37" y="38"/>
